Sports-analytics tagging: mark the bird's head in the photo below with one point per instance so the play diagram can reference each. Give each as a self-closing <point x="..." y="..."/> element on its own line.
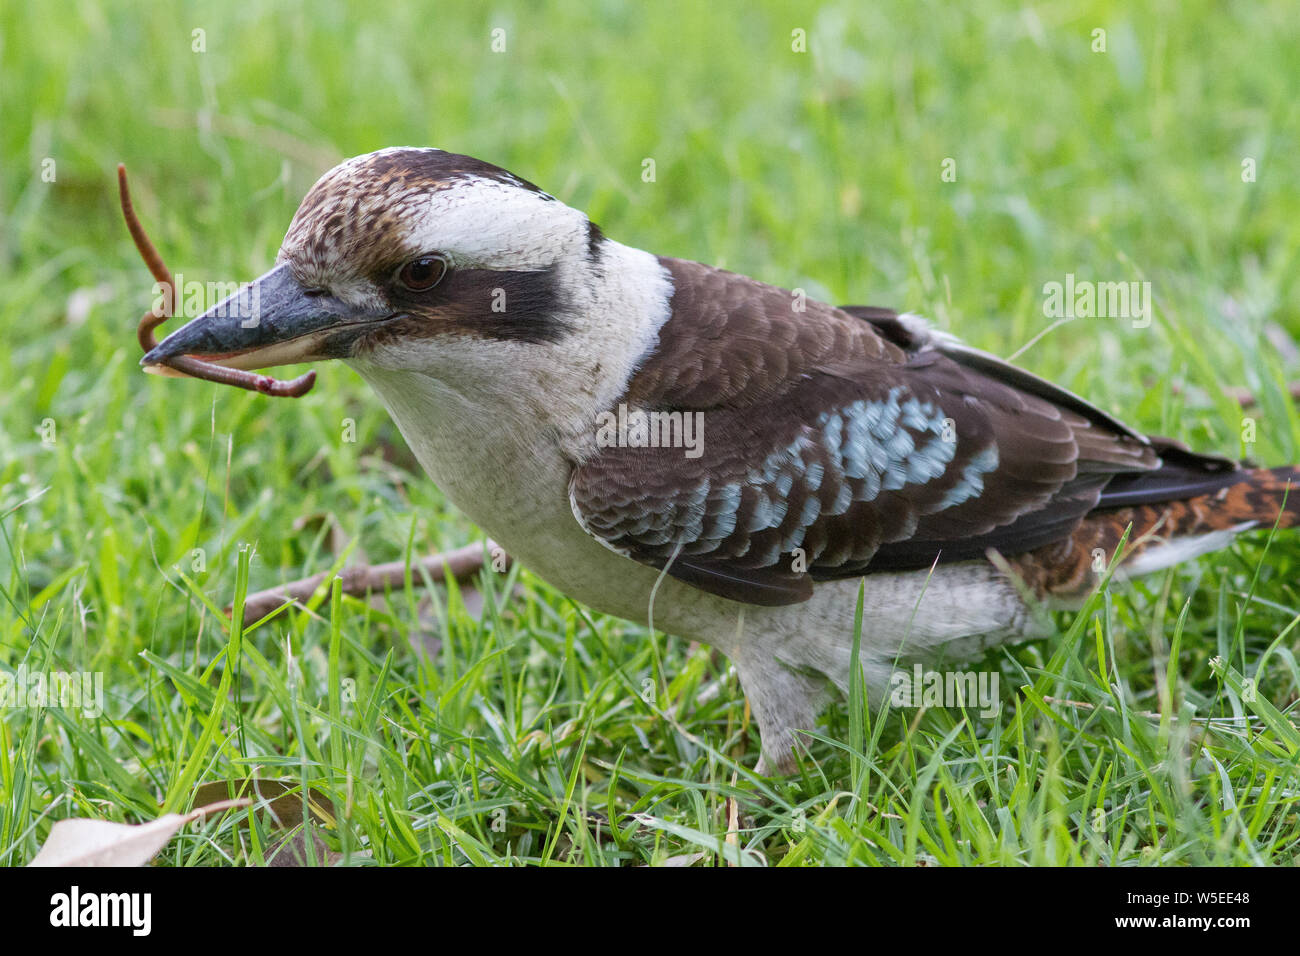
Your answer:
<point x="422" y="261"/>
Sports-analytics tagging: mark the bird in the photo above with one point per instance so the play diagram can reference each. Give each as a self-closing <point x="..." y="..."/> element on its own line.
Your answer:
<point x="721" y="459"/>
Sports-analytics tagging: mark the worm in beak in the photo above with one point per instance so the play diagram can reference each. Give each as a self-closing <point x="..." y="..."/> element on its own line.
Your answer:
<point x="188" y="364"/>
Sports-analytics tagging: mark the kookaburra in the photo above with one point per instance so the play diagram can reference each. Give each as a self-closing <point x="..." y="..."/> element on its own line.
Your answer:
<point x="799" y="448"/>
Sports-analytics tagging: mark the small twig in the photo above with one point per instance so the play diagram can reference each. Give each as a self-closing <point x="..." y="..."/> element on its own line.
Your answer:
<point x="365" y="579"/>
<point x="733" y="821"/>
<point x="188" y="364"/>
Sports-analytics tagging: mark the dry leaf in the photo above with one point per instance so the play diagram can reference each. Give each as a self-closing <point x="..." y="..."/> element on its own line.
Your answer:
<point x="280" y="799"/>
<point x="83" y="842"/>
<point x="292" y="850"/>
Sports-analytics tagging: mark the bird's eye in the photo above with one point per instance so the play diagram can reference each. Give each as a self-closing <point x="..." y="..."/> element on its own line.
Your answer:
<point x="422" y="274"/>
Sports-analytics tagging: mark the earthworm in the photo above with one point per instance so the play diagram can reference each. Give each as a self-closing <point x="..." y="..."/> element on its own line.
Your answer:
<point x="188" y="364"/>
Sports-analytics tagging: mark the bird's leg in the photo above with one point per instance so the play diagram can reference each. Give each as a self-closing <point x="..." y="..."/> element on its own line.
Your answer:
<point x="784" y="701"/>
<point x="187" y="364"/>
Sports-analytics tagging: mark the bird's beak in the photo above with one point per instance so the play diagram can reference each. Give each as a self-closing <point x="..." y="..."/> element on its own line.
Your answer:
<point x="271" y="321"/>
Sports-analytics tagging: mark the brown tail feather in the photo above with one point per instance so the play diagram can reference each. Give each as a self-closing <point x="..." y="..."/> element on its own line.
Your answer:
<point x="1069" y="569"/>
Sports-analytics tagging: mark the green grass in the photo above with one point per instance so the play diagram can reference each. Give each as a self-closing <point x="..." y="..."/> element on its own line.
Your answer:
<point x="1126" y="739"/>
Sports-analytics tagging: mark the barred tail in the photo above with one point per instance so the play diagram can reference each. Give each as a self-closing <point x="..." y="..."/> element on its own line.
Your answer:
<point x="1164" y="533"/>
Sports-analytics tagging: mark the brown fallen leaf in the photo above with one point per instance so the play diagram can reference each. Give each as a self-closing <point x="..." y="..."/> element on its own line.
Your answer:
<point x="292" y="851"/>
<point x="280" y="800"/>
<point x="84" y="842"/>
<point x="279" y="803"/>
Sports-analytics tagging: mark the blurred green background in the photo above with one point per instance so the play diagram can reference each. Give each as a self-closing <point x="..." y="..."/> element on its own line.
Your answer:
<point x="803" y="144"/>
<point x="819" y="169"/>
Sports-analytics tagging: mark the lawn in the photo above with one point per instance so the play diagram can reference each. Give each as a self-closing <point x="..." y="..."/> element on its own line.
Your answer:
<point x="951" y="160"/>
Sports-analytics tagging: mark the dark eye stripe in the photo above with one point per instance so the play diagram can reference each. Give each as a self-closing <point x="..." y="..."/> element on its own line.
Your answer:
<point x="523" y="306"/>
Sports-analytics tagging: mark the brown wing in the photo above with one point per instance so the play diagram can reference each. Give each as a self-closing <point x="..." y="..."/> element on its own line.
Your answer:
<point x="835" y="443"/>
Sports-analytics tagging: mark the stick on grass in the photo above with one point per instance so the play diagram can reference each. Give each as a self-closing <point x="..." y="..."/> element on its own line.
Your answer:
<point x="365" y="579"/>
